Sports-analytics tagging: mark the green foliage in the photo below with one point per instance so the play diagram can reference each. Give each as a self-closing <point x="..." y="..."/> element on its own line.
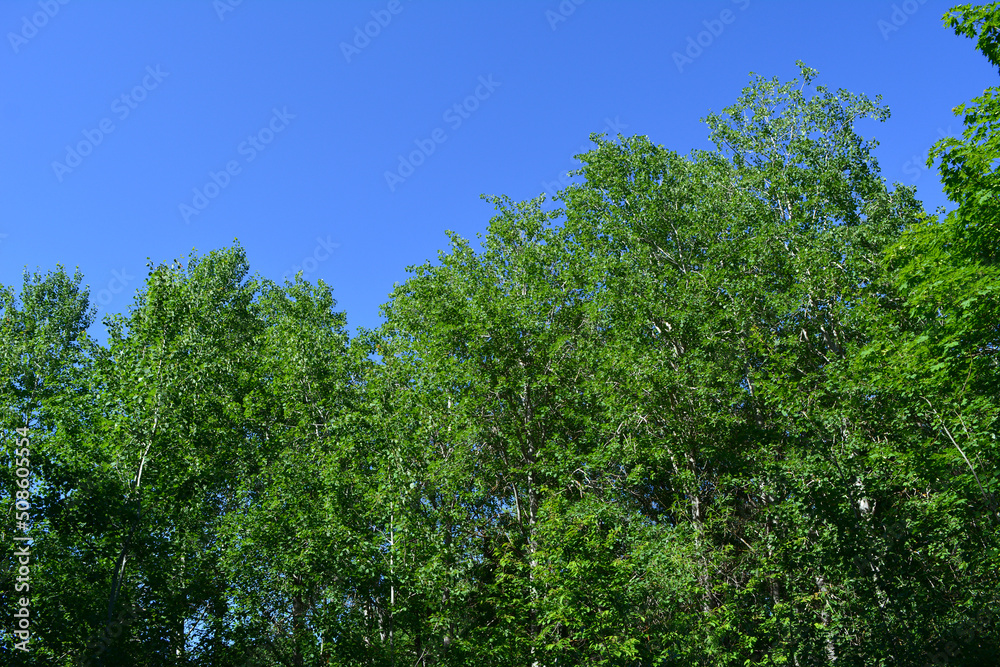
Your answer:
<point x="736" y="407"/>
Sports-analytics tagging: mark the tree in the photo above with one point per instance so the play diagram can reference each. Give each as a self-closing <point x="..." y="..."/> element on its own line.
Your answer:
<point x="47" y="390"/>
<point x="491" y="349"/>
<point x="934" y="370"/>
<point x="730" y="287"/>
<point x="175" y="377"/>
<point x="296" y="537"/>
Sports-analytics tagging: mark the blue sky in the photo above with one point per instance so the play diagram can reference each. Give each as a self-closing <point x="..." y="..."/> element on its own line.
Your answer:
<point x="194" y="123"/>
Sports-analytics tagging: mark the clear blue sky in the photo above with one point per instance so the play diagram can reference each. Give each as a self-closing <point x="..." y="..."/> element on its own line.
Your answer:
<point x="309" y="127"/>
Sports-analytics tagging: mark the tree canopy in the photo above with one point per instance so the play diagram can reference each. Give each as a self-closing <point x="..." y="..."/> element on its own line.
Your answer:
<point x="733" y="407"/>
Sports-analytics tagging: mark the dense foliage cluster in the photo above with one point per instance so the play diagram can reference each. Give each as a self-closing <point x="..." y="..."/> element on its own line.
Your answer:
<point x="738" y="407"/>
